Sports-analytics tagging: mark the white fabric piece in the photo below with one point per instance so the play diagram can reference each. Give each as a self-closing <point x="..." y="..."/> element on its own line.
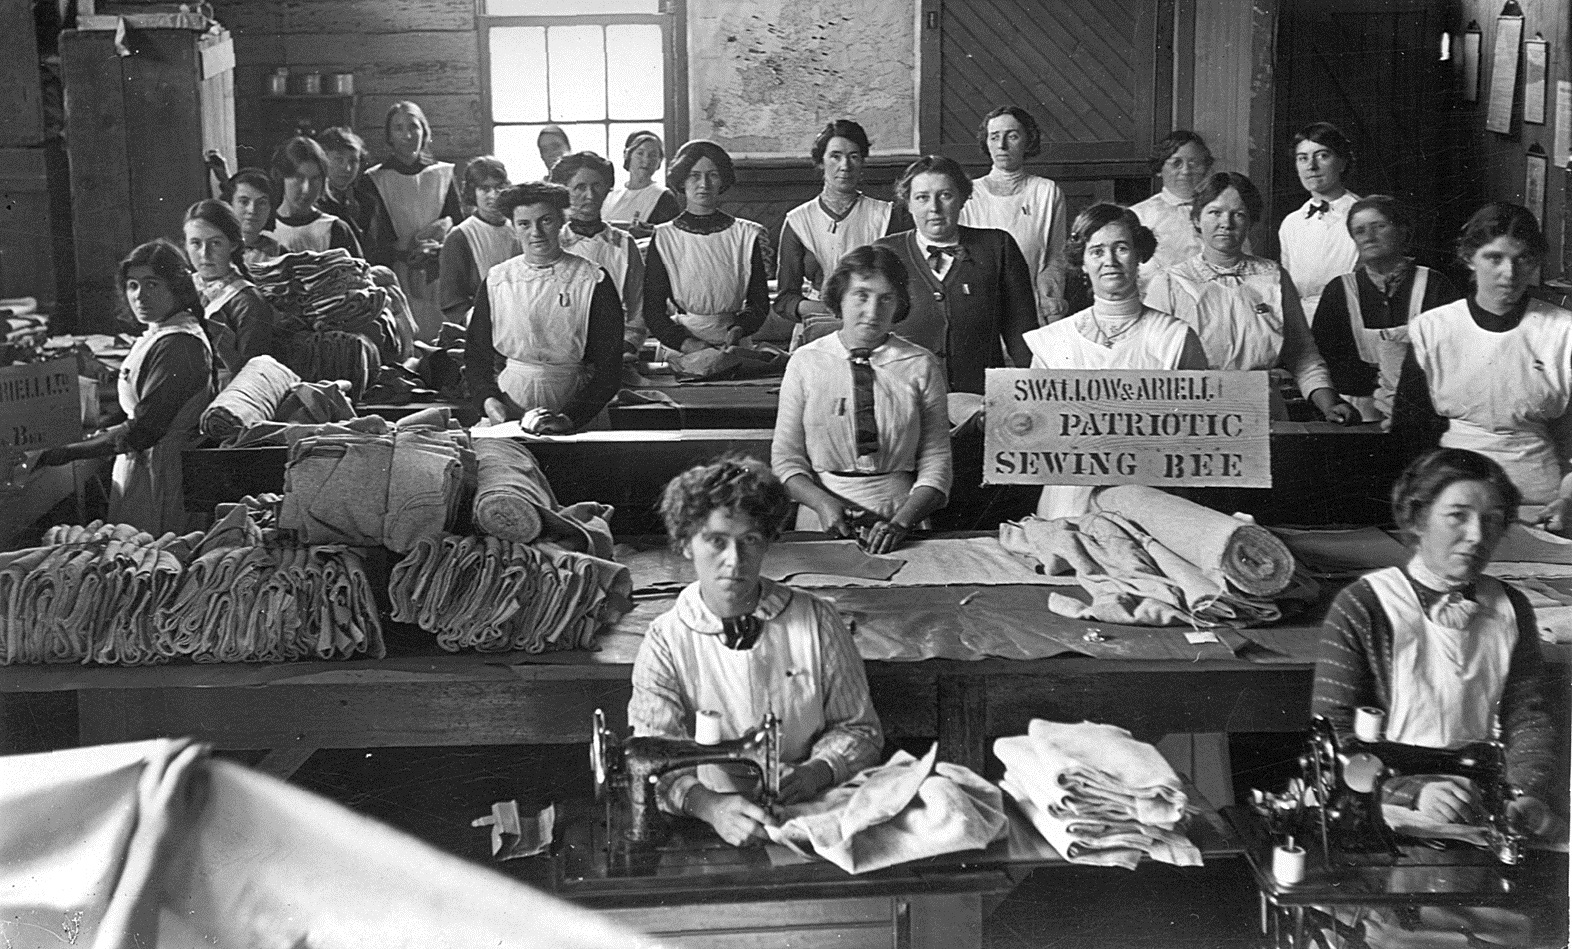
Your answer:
<point x="1501" y="392"/>
<point x="1093" y="770"/>
<point x="98" y="843"/>
<point x="1446" y="683"/>
<point x="1101" y="842"/>
<point x="903" y="810"/>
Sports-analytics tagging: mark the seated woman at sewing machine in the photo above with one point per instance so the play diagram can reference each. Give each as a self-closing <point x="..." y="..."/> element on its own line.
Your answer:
<point x="1444" y="651"/>
<point x="743" y="647"/>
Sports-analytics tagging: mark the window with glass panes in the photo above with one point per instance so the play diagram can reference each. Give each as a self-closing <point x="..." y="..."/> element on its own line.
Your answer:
<point x="594" y="68"/>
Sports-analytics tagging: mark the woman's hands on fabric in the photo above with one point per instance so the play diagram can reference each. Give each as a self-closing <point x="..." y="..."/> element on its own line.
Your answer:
<point x="806" y="782"/>
<point x="1333" y="408"/>
<point x="832" y="519"/>
<point x="498" y="411"/>
<point x="1448" y="800"/>
<point x="739" y="821"/>
<point x="883" y="536"/>
<point x="545" y="422"/>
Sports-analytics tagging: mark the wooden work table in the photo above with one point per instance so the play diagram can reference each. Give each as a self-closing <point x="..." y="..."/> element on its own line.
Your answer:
<point x="1323" y="474"/>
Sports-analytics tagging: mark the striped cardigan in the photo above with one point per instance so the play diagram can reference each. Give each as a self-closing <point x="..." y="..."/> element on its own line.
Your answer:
<point x="1354" y="668"/>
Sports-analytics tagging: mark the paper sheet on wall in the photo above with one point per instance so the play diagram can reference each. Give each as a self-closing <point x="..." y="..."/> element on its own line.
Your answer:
<point x="1536" y="58"/>
<point x="1471" y="41"/>
<point x="1563" y="153"/>
<point x="1503" y="74"/>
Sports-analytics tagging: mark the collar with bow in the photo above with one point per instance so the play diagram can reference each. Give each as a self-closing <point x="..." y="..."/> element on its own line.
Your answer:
<point x="1315" y="208"/>
<point x="739" y="632"/>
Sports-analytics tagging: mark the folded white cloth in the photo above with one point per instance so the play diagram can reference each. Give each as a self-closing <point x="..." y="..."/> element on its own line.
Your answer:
<point x="905" y="809"/>
<point x="1094" y="770"/>
<point x="1103" y="843"/>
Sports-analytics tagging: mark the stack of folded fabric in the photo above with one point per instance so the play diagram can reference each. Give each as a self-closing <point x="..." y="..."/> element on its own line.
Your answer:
<point x="1096" y="794"/>
<point x="1149" y="558"/>
<point x="24" y="329"/>
<point x="326" y="300"/>
<point x="107" y="593"/>
<point x="491" y="595"/>
<point x="375" y="490"/>
<point x="265" y="390"/>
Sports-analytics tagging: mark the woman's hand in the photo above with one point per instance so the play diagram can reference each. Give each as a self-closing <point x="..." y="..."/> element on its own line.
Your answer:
<point x="1554" y="516"/>
<point x="1448" y="800"/>
<point x="497" y="410"/>
<point x="734" y="337"/>
<point x="739" y="821"/>
<point x="545" y="422"/>
<point x="806" y="782"/>
<point x="832" y="519"/>
<point x="1333" y="408"/>
<point x="883" y="536"/>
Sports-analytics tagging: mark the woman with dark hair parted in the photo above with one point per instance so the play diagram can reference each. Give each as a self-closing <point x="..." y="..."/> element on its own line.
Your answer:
<point x="346" y="157"/>
<point x="588" y="178"/>
<point x="1244" y="309"/>
<point x="1492" y="372"/>
<point x="1447" y="653"/>
<point x="239" y="319"/>
<point x="739" y="647"/>
<point x="299" y="173"/>
<point x="1183" y="162"/>
<point x="553" y="317"/>
<point x="165" y="383"/>
<point x="1313" y="240"/>
<point x="704" y="278"/>
<point x="412" y="202"/>
<point x="641" y="204"/>
<point x="1030" y="207"/>
<point x="249" y="193"/>
<point x="970" y="288"/>
<point x="1362" y="326"/>
<point x="818" y="232"/>
<point x="863" y="425"/>
<point x="1107" y="246"/>
<point x="479" y="242"/>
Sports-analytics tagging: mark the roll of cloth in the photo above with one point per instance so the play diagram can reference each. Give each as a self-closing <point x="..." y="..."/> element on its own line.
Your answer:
<point x="253" y="396"/>
<point x="374" y="490"/>
<point x="492" y="595"/>
<point x="1250" y="557"/>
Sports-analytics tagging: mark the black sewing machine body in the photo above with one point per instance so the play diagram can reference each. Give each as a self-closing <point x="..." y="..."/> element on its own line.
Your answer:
<point x="628" y="773"/>
<point x="1344" y="785"/>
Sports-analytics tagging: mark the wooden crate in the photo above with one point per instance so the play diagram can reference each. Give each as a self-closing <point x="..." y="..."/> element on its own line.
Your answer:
<point x="138" y="123"/>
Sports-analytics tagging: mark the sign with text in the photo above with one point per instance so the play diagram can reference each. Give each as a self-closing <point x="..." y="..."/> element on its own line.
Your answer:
<point x="39" y="405"/>
<point x="1152" y="427"/>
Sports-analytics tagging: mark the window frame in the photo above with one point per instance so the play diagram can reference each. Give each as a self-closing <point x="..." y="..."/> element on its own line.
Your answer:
<point x="672" y="19"/>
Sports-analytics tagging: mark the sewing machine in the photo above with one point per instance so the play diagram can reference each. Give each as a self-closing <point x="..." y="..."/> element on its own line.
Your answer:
<point x="1343" y="781"/>
<point x="628" y="772"/>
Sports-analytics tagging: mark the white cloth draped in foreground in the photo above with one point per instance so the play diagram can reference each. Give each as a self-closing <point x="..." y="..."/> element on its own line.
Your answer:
<point x="97" y="843"/>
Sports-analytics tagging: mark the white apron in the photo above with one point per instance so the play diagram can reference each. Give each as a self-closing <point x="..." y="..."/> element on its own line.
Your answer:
<point x="827" y="239"/>
<point x="316" y="236"/>
<point x="221" y="293"/>
<point x="1446" y="683"/>
<point x="1155" y="342"/>
<point x="709" y="275"/>
<point x="780" y="674"/>
<point x="1385" y="348"/>
<point x="1240" y="323"/>
<point x="148" y="492"/>
<point x="539" y="323"/>
<point x="413" y="202"/>
<point x="1501" y="392"/>
<point x="632" y="206"/>
<point x="489" y="245"/>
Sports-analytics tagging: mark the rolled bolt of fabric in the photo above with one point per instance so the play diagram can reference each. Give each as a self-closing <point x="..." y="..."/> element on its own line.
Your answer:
<point x="1251" y="557"/>
<point x="512" y="492"/>
<point x="253" y="396"/>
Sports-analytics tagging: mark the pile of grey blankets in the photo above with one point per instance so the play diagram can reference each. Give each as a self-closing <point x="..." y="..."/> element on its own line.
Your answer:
<point x="339" y="321"/>
<point x="107" y="593"/>
<point x="1096" y="794"/>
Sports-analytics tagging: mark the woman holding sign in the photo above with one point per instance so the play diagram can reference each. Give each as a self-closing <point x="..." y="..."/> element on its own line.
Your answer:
<point x="1244" y="309"/>
<point x="1107" y="246"/>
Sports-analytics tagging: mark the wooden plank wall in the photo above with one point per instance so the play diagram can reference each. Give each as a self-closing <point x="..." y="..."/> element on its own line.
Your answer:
<point x="425" y="50"/>
<point x="26" y="265"/>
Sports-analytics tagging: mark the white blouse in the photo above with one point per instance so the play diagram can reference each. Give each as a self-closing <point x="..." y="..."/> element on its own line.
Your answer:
<point x="1316" y="249"/>
<point x="816" y="423"/>
<point x="1167" y="216"/>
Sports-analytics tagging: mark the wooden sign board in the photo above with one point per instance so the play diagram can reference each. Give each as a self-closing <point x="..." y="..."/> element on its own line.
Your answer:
<point x="1158" y="428"/>
<point x="39" y="405"/>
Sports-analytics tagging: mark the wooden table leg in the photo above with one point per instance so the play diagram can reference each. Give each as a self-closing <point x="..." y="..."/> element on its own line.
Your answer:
<point x="963" y="720"/>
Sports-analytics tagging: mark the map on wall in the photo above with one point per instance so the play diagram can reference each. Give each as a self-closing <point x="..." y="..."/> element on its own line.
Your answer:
<point x="765" y="75"/>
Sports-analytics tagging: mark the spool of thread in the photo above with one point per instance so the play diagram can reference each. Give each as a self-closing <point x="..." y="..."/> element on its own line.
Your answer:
<point x="1288" y="864"/>
<point x="1368" y="723"/>
<point x="707" y="727"/>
